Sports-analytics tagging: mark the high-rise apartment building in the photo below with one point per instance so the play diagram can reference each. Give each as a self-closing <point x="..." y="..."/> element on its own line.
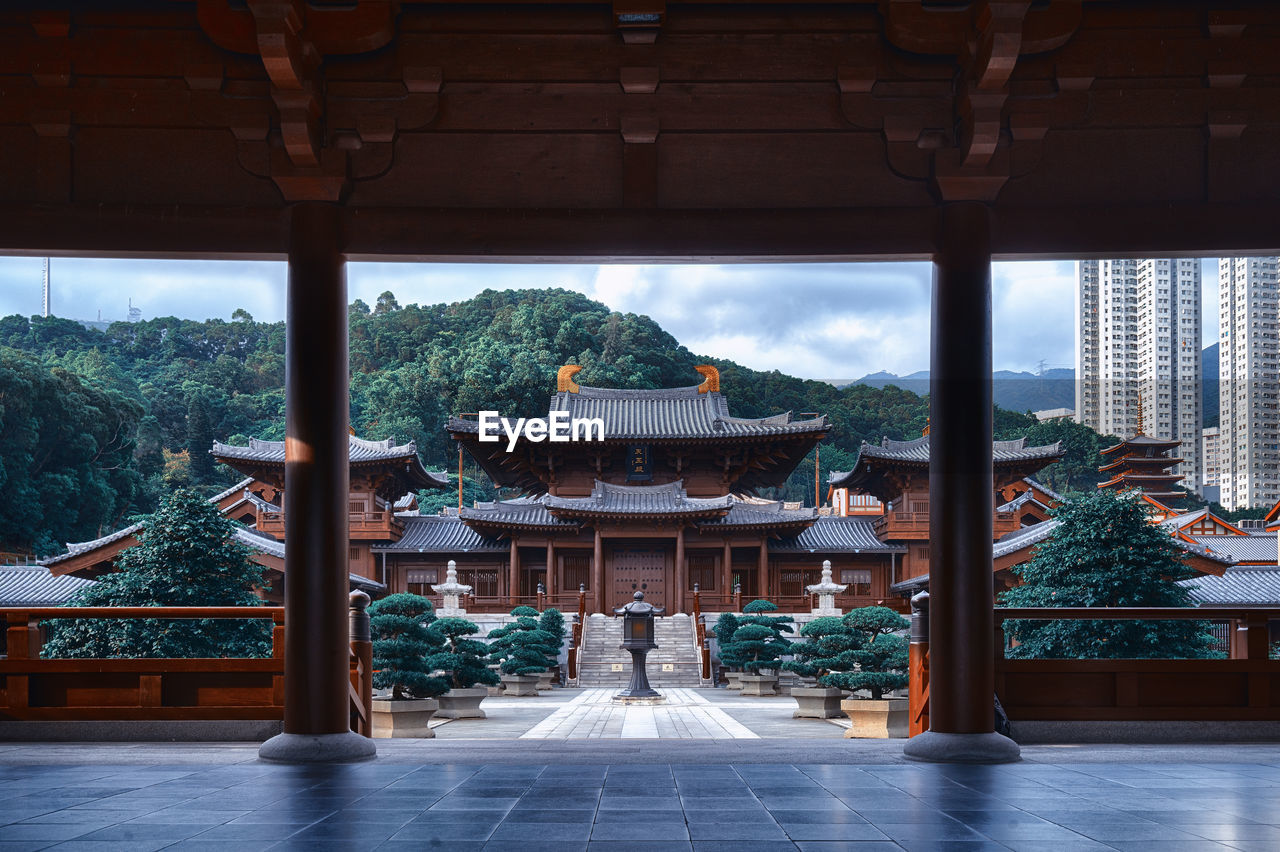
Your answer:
<point x="1212" y="460"/>
<point x="1138" y="328"/>
<point x="1249" y="447"/>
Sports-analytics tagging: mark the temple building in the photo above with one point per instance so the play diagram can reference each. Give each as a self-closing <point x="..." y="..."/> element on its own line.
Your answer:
<point x="663" y="501"/>
<point x="1144" y="463"/>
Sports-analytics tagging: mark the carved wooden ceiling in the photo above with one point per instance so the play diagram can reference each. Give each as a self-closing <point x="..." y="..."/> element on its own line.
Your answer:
<point x="641" y="129"/>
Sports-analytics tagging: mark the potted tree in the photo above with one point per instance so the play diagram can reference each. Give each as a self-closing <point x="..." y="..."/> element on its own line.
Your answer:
<point x="402" y="641"/>
<point x="462" y="663"/>
<point x="758" y="645"/>
<point x="724" y="627"/>
<point x="881" y="667"/>
<point x="829" y="649"/>
<point x="521" y="650"/>
<point x="552" y="623"/>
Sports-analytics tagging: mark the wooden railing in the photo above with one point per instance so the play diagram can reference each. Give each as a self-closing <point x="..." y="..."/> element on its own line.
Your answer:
<point x="1246" y="688"/>
<point x="916" y="524"/>
<point x="700" y="626"/>
<point x="575" y="644"/>
<point x="160" y="689"/>
<point x="386" y="522"/>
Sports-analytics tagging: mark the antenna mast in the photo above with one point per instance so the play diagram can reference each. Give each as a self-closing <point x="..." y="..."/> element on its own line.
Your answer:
<point x="47" y="299"/>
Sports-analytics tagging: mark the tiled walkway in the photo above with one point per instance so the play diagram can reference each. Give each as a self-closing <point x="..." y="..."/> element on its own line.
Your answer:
<point x="685" y="714"/>
<point x="1058" y="800"/>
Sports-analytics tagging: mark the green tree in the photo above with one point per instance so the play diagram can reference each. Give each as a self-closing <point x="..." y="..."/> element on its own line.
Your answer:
<point x="522" y="647"/>
<point x="552" y="623"/>
<point x="461" y="660"/>
<point x="757" y="641"/>
<point x="1104" y="552"/>
<point x="879" y="652"/>
<point x="402" y="643"/>
<point x="188" y="556"/>
<point x="830" y="648"/>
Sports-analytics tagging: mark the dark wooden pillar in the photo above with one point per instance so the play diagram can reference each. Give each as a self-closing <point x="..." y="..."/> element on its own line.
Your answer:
<point x="553" y="582"/>
<point x="961" y="621"/>
<point x="513" y="574"/>
<point x="762" y="572"/>
<point x="316" y="478"/>
<point x="597" y="572"/>
<point x="726" y="569"/>
<point x="681" y="572"/>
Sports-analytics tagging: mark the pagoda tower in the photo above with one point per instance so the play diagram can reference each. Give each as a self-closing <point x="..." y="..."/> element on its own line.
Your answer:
<point x="1143" y="462"/>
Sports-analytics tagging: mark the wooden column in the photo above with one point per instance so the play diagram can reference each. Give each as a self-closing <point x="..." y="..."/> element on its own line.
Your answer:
<point x="316" y="478"/>
<point x="726" y="569"/>
<point x="762" y="569"/>
<point x="961" y="621"/>
<point x="681" y="572"/>
<point x="513" y="574"/>
<point x="597" y="572"/>
<point x="553" y="582"/>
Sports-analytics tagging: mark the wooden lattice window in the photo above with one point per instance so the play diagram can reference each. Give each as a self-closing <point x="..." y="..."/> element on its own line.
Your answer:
<point x="483" y="581"/>
<point x="702" y="570"/>
<point x="577" y="572"/>
<point x="858" y="581"/>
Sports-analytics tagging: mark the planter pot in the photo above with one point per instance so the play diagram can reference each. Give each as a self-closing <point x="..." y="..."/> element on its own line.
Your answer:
<point x="520" y="686"/>
<point x="463" y="703"/>
<point x="758" y="686"/>
<point x="545" y="681"/>
<point x="817" y="702"/>
<point x="405" y="718"/>
<point x="876" y="719"/>
<point x="734" y="679"/>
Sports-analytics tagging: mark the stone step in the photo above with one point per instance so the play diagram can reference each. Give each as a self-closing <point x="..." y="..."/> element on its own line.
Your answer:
<point x="601" y="651"/>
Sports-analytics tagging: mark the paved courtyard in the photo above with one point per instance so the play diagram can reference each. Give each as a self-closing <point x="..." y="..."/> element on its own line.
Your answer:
<point x="714" y="714"/>
<point x="673" y="797"/>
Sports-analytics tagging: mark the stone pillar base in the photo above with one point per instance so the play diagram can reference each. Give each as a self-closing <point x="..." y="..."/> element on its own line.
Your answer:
<point x="348" y="747"/>
<point x="936" y="747"/>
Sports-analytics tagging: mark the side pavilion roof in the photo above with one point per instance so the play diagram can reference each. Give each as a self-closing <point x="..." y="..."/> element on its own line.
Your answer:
<point x="1012" y="457"/>
<point x="265" y="460"/>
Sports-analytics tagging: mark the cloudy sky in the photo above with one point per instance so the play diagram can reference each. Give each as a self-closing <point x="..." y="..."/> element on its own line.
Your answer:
<point x="820" y="321"/>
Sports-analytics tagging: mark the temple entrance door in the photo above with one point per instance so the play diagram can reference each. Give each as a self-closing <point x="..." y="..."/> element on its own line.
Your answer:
<point x="635" y="569"/>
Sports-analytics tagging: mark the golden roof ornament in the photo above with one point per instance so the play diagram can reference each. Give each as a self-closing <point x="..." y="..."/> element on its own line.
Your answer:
<point x="564" y="378"/>
<point x="711" y="379"/>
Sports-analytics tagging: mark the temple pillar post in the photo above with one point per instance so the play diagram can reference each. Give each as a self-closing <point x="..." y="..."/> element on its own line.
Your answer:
<point x="726" y="569"/>
<point x="961" y="620"/>
<point x="597" y="572"/>
<point x="317" y="725"/>
<point x="762" y="566"/>
<point x="681" y="572"/>
<point x="513" y="574"/>
<point x="553" y="582"/>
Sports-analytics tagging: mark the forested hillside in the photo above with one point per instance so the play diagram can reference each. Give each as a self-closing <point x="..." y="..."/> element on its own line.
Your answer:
<point x="95" y="426"/>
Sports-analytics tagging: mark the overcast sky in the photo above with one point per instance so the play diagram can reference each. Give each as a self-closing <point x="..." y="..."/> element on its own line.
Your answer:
<point x="819" y="321"/>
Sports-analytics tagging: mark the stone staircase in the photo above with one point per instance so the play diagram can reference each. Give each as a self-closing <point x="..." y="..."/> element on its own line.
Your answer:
<point x="602" y="637"/>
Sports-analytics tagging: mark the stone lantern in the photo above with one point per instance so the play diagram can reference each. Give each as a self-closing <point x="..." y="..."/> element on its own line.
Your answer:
<point x="826" y="592"/>
<point x="451" y="590"/>
<point x="637" y="638"/>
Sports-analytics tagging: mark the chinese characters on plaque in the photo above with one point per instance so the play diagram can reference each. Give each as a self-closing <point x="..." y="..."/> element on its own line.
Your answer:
<point x="638" y="468"/>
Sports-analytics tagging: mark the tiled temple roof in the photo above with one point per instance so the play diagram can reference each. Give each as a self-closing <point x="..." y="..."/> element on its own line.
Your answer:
<point x="360" y="451"/>
<point x="916" y="452"/>
<point x="33" y="585"/>
<point x="441" y="534"/>
<point x="525" y="512"/>
<point x="836" y="535"/>
<point x="1241" y="548"/>
<point x="638" y="501"/>
<point x="664" y="413"/>
<point x="760" y="513"/>
<point x="271" y="547"/>
<point x="77" y="548"/>
<point x="1239" y="585"/>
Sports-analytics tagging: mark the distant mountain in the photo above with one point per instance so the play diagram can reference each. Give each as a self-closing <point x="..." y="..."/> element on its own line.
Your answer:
<point x="1209" y="394"/>
<point x="1056" y="388"/>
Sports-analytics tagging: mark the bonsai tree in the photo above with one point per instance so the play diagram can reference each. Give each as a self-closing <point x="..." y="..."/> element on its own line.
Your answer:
<point x="188" y="556"/>
<point x="523" y="647"/>
<point x="460" y="661"/>
<point x="402" y="643"/>
<point x="880" y="654"/>
<point x="757" y="642"/>
<point x="552" y="623"/>
<point x="830" y="648"/>
<point x="724" y="627"/>
<point x="1105" y="552"/>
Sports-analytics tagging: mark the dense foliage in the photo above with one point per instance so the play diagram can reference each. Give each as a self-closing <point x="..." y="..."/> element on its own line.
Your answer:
<point x="187" y="557"/>
<point x="1105" y="553"/>
<point x="551" y="623"/>
<point x="461" y="660"/>
<point x="829" y="648"/>
<point x="522" y="647"/>
<point x="403" y="640"/>
<point x="878" y="650"/>
<point x="756" y="640"/>
<point x="99" y="425"/>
